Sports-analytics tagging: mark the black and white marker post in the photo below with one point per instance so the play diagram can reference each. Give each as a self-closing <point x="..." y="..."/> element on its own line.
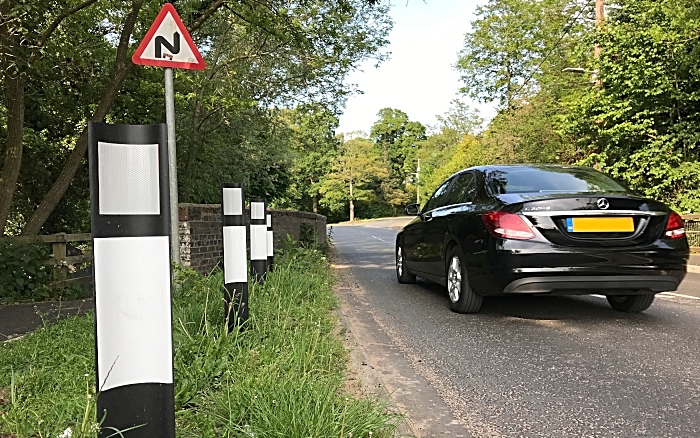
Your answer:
<point x="130" y="208"/>
<point x="235" y="254"/>
<point x="258" y="239"/>
<point x="270" y="245"/>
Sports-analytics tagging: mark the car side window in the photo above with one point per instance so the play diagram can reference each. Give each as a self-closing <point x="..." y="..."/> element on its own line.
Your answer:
<point x="439" y="197"/>
<point x="463" y="190"/>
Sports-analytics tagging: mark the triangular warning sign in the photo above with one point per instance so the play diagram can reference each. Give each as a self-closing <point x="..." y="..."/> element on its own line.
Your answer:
<point x="168" y="44"/>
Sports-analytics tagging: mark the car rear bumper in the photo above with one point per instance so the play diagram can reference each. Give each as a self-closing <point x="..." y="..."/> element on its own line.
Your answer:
<point x="583" y="272"/>
<point x="604" y="284"/>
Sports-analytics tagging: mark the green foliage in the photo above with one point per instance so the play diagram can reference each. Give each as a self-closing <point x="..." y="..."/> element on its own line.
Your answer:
<point x="446" y="148"/>
<point x="512" y="44"/>
<point x="527" y="133"/>
<point x="24" y="276"/>
<point x="470" y="152"/>
<point x="281" y="376"/>
<point x="641" y="124"/>
<point x="397" y="139"/>
<point x="315" y="148"/>
<point x="356" y="175"/>
<point x="261" y="57"/>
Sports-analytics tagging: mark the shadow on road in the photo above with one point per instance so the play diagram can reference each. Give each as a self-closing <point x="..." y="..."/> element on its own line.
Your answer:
<point x="541" y="308"/>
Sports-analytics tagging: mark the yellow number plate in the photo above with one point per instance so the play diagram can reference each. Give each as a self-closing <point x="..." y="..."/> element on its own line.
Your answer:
<point x="600" y="225"/>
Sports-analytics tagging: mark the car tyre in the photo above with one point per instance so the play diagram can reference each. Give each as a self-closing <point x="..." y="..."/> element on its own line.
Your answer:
<point x="463" y="299"/>
<point x="402" y="273"/>
<point x="630" y="303"/>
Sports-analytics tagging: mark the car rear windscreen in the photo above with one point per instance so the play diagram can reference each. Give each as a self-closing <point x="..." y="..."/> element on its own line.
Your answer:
<point x="551" y="180"/>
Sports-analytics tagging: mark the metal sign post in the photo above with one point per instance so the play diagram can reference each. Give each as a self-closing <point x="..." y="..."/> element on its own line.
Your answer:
<point x="172" y="166"/>
<point x="162" y="47"/>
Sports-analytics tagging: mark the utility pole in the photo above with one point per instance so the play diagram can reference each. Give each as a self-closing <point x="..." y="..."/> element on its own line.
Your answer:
<point x="418" y="182"/>
<point x="599" y="18"/>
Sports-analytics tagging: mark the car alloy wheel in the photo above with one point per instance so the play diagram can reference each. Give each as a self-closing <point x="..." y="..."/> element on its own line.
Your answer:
<point x="463" y="299"/>
<point x="454" y="279"/>
<point x="403" y="274"/>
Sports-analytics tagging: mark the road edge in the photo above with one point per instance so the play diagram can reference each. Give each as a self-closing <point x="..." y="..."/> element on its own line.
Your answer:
<point x="360" y="365"/>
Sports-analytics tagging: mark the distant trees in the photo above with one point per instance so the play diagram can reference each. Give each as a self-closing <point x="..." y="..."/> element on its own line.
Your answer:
<point x="354" y="176"/>
<point x="64" y="62"/>
<point x="635" y="113"/>
<point x="642" y="124"/>
<point x="636" y="118"/>
<point x="397" y="139"/>
<point x="266" y="109"/>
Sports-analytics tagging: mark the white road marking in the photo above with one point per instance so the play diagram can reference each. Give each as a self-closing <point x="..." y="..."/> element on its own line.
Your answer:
<point x="376" y="237"/>
<point x="661" y="293"/>
<point x="679" y="295"/>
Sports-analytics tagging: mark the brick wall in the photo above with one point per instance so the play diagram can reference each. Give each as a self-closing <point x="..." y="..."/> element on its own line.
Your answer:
<point x="201" y="246"/>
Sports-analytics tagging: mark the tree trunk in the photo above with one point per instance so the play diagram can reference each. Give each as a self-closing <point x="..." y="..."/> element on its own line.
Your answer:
<point x="314" y="204"/>
<point x="14" y="95"/>
<point x="122" y="68"/>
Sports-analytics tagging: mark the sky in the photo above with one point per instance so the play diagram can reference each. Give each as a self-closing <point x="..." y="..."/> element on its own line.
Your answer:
<point x="419" y="79"/>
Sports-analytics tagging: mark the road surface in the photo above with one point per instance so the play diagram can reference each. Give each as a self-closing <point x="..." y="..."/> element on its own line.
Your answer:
<point x="523" y="366"/>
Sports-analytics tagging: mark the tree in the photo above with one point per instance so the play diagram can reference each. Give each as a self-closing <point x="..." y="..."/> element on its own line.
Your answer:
<point x="397" y="138"/>
<point x="25" y="31"/>
<point x="357" y="170"/>
<point x="511" y="44"/>
<point x="315" y="149"/>
<point x="277" y="53"/>
<point x="435" y="152"/>
<point x="642" y="123"/>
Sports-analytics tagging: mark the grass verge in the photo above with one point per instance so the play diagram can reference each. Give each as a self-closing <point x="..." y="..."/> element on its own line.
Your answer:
<point x="282" y="377"/>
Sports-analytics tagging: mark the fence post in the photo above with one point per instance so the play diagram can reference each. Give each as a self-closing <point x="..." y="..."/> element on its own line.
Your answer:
<point x="58" y="248"/>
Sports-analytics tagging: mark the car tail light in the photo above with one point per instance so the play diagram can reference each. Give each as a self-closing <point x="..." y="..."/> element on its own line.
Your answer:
<point x="507" y="225"/>
<point x="675" y="228"/>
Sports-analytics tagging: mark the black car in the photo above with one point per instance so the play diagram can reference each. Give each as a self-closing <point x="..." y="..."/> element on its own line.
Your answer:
<point x="542" y="229"/>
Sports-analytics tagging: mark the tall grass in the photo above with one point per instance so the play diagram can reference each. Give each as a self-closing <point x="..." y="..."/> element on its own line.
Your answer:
<point x="282" y="375"/>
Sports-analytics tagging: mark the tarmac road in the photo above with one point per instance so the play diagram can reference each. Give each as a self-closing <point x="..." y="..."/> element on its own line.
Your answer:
<point x="523" y="366"/>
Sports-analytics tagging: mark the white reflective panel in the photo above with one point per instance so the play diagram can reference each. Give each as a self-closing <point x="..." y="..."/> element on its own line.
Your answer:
<point x="235" y="255"/>
<point x="257" y="210"/>
<point x="258" y="242"/>
<point x="269" y="220"/>
<point x="132" y="304"/>
<point x="233" y="201"/>
<point x="128" y="178"/>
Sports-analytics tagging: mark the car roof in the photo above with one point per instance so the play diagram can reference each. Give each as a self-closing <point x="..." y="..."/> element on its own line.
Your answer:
<point x="488" y="168"/>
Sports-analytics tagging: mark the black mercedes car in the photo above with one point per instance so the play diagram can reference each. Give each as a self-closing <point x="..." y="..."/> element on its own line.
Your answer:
<point x="542" y="229"/>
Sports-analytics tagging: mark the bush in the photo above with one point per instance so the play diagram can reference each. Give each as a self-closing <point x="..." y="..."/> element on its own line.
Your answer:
<point x="24" y="276"/>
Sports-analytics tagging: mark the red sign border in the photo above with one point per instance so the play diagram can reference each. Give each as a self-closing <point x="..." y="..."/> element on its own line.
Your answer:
<point x="168" y="8"/>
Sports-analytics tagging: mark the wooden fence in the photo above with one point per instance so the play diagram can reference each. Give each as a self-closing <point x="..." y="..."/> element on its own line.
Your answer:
<point x="61" y="261"/>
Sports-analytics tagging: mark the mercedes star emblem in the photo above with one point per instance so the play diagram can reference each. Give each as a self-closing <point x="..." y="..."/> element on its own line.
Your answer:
<point x="603" y="204"/>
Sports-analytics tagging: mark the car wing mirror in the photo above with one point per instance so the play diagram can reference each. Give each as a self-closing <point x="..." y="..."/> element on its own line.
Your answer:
<point x="413" y="209"/>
